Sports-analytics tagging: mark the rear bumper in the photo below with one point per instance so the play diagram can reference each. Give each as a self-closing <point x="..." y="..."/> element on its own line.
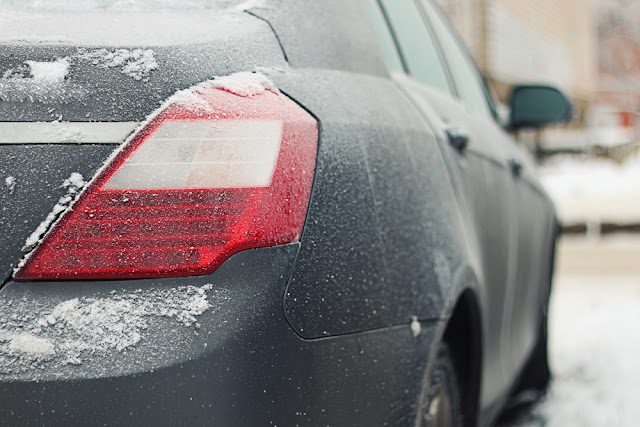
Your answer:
<point x="241" y="364"/>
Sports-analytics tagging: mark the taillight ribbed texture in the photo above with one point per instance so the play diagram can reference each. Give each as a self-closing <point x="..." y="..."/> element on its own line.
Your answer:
<point x="189" y="190"/>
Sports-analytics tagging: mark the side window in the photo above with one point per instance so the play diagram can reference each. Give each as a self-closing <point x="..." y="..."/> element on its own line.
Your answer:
<point x="417" y="44"/>
<point x="385" y="39"/>
<point x="466" y="76"/>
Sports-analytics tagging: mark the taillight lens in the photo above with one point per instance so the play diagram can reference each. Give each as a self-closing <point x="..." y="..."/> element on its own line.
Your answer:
<point x="193" y="187"/>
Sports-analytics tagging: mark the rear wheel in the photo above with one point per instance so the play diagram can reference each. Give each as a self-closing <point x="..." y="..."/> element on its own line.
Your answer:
<point x="441" y="399"/>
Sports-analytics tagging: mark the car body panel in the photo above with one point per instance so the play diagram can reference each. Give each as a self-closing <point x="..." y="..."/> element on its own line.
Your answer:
<point x="38" y="172"/>
<point x="399" y="225"/>
<point x="95" y="89"/>
<point x="243" y="365"/>
<point x="367" y="194"/>
<point x="93" y="94"/>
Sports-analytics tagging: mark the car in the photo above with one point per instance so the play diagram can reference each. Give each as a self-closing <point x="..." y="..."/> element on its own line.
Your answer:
<point x="267" y="212"/>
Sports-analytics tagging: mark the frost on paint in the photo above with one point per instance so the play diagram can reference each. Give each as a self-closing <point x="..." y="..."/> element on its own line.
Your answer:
<point x="135" y="63"/>
<point x="81" y="328"/>
<point x="246" y="84"/>
<point x="10" y="183"/>
<point x="73" y="185"/>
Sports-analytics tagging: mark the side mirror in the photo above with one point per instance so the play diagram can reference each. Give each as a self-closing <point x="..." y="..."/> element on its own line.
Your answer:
<point x="537" y="106"/>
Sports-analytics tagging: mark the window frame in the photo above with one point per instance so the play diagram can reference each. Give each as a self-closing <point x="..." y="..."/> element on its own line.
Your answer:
<point x="454" y="92"/>
<point x="464" y="50"/>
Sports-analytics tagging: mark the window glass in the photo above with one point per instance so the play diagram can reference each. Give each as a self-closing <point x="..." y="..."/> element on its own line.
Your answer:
<point x="385" y="39"/>
<point x="466" y="76"/>
<point x="417" y="44"/>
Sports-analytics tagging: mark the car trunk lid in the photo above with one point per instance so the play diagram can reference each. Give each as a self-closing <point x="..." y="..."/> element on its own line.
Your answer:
<point x="76" y="84"/>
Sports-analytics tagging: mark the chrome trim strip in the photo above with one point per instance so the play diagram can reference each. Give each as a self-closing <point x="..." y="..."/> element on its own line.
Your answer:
<point x="65" y="132"/>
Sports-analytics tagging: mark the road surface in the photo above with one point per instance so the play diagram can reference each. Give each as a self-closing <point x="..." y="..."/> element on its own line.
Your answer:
<point x="594" y="336"/>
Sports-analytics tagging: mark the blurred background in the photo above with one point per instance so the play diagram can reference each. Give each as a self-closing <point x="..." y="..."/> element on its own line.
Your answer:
<point x="591" y="168"/>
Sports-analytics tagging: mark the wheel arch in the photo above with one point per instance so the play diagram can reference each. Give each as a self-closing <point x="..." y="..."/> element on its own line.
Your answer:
<point x="463" y="335"/>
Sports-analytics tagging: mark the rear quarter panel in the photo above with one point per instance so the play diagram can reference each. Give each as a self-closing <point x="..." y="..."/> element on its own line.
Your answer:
<point x="384" y="237"/>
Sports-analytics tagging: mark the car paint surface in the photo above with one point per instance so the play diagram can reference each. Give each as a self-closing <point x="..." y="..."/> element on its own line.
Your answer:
<point x="317" y="332"/>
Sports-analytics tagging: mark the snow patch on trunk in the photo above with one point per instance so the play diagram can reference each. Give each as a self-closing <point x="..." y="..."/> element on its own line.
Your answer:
<point x="245" y="84"/>
<point x="28" y="345"/>
<point x="135" y="63"/>
<point x="73" y="185"/>
<point x="49" y="72"/>
<point x="85" y="327"/>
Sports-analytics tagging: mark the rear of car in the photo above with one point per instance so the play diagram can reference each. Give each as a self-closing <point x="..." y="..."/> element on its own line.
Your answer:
<point x="243" y="213"/>
<point x="142" y="282"/>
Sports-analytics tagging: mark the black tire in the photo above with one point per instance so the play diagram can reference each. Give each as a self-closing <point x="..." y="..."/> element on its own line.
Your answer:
<point x="440" y="404"/>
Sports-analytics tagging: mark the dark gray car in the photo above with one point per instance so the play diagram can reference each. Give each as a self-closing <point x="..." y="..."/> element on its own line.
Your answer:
<point x="278" y="212"/>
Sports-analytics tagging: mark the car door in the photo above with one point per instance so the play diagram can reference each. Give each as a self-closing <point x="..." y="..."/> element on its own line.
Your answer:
<point x="478" y="167"/>
<point x="530" y="227"/>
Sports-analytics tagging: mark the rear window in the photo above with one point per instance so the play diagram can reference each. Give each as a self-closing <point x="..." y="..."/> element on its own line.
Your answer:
<point x="69" y="5"/>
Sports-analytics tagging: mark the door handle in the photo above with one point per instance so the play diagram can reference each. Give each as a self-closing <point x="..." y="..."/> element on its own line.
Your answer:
<point x="516" y="167"/>
<point x="458" y="138"/>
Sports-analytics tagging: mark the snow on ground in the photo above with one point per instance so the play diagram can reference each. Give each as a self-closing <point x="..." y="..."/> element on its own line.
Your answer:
<point x="594" y="337"/>
<point x="594" y="190"/>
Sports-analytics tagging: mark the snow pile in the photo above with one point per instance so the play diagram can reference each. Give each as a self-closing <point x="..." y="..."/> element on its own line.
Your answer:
<point x="10" y="183"/>
<point x="593" y="190"/>
<point x="135" y="63"/>
<point x="50" y="72"/>
<point x="594" y="351"/>
<point x="84" y="327"/>
<point x="245" y="84"/>
<point x="37" y="80"/>
<point x="44" y="72"/>
<point x="73" y="185"/>
<point x="28" y="345"/>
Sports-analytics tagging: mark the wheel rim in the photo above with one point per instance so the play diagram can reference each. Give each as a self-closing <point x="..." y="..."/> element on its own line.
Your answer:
<point x="439" y="412"/>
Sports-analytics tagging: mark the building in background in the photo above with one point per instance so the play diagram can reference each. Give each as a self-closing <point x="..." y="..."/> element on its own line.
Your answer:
<point x="618" y="101"/>
<point x="589" y="48"/>
<point x="515" y="41"/>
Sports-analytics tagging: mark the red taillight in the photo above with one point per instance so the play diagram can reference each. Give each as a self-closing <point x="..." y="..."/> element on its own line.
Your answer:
<point x="189" y="190"/>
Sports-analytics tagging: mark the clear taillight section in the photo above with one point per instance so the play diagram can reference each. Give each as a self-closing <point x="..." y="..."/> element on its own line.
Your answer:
<point x="189" y="190"/>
